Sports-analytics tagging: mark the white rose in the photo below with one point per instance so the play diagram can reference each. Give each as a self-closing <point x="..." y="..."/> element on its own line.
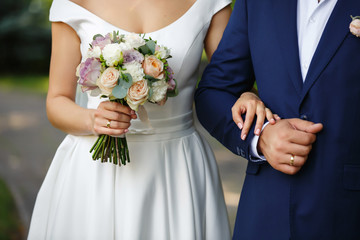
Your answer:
<point x="355" y="27"/>
<point x="162" y="52"/>
<point x="135" y="70"/>
<point x="134" y="40"/>
<point x="108" y="80"/>
<point x="112" y="54"/>
<point x="125" y="46"/>
<point x="159" y="91"/>
<point x="94" y="52"/>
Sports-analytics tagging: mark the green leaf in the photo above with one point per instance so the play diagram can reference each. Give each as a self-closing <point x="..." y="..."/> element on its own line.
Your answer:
<point x="151" y="91"/>
<point x="151" y="45"/>
<point x="127" y="77"/>
<point x="173" y="93"/>
<point x="125" y="80"/>
<point x="150" y="78"/>
<point x="119" y="92"/>
<point x="145" y="50"/>
<point x="97" y="35"/>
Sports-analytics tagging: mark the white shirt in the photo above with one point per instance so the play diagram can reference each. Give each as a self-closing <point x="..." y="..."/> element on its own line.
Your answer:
<point x="312" y="17"/>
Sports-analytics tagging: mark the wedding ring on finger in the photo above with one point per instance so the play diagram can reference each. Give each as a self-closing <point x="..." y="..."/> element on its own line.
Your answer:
<point x="108" y="124"/>
<point x="292" y="158"/>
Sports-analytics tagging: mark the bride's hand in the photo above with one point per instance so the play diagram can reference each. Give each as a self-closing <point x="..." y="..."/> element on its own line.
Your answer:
<point x="112" y="119"/>
<point x="251" y="104"/>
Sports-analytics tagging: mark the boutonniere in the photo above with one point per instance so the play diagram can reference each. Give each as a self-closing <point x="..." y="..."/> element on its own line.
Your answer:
<point x="355" y="26"/>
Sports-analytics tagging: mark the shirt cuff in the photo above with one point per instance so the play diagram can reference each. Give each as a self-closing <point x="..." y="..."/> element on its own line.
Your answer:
<point x="254" y="154"/>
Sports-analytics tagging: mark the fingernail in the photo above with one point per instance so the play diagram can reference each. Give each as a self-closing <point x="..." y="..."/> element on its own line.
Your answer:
<point x="257" y="132"/>
<point x="132" y="112"/>
<point x="240" y="125"/>
<point x="243" y="137"/>
<point x="126" y="130"/>
<point x="272" y="120"/>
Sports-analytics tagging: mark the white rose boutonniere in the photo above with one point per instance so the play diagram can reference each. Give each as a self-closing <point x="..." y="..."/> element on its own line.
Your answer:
<point x="355" y="26"/>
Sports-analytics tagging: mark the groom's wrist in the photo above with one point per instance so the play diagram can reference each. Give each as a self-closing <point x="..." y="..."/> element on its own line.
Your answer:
<point x="255" y="152"/>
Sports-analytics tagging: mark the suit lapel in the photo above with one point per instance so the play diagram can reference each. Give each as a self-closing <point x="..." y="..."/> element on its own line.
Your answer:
<point x="334" y="34"/>
<point x="285" y="17"/>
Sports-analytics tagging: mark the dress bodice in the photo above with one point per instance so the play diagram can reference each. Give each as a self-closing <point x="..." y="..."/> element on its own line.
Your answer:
<point x="184" y="37"/>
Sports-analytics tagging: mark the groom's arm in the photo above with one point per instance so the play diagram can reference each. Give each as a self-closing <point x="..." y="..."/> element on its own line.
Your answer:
<point x="228" y="75"/>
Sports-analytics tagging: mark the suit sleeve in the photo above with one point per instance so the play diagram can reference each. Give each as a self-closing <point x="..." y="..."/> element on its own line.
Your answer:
<point x="228" y="75"/>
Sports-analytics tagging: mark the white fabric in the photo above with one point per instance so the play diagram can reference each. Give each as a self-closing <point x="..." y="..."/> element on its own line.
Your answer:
<point x="171" y="189"/>
<point x="312" y="17"/>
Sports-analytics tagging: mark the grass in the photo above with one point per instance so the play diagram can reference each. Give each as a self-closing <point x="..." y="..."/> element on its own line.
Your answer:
<point x="32" y="83"/>
<point x="10" y="225"/>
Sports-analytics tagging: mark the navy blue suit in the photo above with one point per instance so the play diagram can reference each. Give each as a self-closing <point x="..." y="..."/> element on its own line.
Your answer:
<point x="322" y="201"/>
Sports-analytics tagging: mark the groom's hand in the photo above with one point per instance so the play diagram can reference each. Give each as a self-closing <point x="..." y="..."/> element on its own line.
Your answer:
<point x="287" y="144"/>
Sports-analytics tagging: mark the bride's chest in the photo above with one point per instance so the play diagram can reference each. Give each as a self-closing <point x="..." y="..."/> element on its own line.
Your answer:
<point x="139" y="16"/>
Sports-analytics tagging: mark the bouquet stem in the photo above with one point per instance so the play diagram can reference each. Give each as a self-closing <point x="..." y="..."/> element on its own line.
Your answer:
<point x="112" y="149"/>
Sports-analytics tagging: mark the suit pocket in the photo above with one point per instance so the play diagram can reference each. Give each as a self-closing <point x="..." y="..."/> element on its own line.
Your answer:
<point x="352" y="177"/>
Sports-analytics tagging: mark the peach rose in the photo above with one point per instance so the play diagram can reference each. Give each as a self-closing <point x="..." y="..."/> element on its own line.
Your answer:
<point x="355" y="27"/>
<point x="137" y="94"/>
<point x="108" y="80"/>
<point x="153" y="67"/>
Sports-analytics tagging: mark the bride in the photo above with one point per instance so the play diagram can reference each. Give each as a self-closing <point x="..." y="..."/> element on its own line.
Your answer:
<point x="171" y="189"/>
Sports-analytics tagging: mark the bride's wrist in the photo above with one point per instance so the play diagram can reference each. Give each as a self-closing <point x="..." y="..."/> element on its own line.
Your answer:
<point x="89" y="121"/>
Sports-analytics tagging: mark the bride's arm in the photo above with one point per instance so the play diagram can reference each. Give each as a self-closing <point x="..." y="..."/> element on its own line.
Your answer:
<point x="216" y="30"/>
<point x="248" y="102"/>
<point x="62" y="111"/>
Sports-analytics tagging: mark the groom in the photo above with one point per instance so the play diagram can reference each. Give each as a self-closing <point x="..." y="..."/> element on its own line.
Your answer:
<point x="303" y="179"/>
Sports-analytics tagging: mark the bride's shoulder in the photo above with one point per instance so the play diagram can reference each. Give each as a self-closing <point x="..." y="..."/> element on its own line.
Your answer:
<point x="213" y="6"/>
<point x="67" y="11"/>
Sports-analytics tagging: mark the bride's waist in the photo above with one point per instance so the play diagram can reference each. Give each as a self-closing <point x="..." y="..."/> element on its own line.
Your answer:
<point x="161" y="129"/>
<point x="157" y="129"/>
<point x="163" y="125"/>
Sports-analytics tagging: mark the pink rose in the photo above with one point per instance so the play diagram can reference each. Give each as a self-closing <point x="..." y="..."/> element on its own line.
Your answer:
<point x="137" y="94"/>
<point x="355" y="26"/>
<point x="171" y="80"/>
<point x="153" y="67"/>
<point x="108" y="80"/>
<point x="88" y="73"/>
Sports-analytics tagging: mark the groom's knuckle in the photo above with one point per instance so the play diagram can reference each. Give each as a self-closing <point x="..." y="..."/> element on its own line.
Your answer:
<point x="282" y="135"/>
<point x="234" y="109"/>
<point x="261" y="105"/>
<point x="311" y="138"/>
<point x="278" y="146"/>
<point x="292" y="171"/>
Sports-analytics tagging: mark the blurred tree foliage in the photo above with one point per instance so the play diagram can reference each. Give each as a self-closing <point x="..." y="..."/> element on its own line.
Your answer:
<point x="24" y="36"/>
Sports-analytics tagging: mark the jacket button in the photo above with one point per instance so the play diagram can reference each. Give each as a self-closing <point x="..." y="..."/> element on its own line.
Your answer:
<point x="303" y="117"/>
<point x="242" y="153"/>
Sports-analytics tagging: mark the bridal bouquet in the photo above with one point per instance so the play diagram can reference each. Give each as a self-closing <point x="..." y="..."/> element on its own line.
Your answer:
<point x="128" y="69"/>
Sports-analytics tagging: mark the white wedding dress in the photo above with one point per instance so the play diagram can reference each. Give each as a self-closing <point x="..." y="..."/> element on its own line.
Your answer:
<point x="171" y="188"/>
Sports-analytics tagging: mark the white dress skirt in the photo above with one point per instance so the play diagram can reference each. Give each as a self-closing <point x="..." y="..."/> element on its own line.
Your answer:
<point x="171" y="188"/>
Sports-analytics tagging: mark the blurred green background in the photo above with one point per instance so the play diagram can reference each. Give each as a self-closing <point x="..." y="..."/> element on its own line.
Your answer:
<point x="24" y="62"/>
<point x="27" y="140"/>
<point x="25" y="36"/>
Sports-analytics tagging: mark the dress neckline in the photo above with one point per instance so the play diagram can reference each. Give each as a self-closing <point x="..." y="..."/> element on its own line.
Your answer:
<point x="127" y="31"/>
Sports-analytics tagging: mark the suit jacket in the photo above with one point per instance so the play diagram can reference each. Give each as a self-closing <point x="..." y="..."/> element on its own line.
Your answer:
<point x="322" y="201"/>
